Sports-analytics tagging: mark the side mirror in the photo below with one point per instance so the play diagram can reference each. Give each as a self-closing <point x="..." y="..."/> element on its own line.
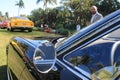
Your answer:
<point x="44" y="57"/>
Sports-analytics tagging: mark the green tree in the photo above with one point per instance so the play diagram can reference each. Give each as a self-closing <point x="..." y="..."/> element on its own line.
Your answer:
<point x="40" y="16"/>
<point x="46" y="12"/>
<point x="7" y="15"/>
<point x="1" y="16"/>
<point x="107" y="6"/>
<point x="0" y="13"/>
<point x="37" y="16"/>
<point x="20" y="5"/>
<point x="46" y="2"/>
<point x="80" y="9"/>
<point x="63" y="14"/>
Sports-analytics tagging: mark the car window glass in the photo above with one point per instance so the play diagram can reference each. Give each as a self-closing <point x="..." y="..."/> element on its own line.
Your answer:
<point x="93" y="57"/>
<point x="23" y="18"/>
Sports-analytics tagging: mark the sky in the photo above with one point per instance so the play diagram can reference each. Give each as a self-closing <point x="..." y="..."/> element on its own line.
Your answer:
<point x="9" y="6"/>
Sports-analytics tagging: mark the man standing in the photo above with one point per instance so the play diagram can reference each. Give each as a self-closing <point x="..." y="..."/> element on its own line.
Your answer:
<point x="95" y="14"/>
<point x="78" y="27"/>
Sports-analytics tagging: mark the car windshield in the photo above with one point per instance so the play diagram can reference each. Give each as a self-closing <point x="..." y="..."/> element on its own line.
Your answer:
<point x="23" y="18"/>
<point x="63" y="39"/>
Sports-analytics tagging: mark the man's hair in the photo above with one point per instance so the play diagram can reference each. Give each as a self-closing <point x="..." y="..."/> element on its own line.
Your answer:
<point x="94" y="8"/>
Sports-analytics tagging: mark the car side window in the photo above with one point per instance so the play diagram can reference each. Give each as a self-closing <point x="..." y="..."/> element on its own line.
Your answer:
<point x="92" y="57"/>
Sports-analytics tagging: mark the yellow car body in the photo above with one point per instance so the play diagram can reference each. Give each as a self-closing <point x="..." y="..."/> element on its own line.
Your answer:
<point x="21" y="23"/>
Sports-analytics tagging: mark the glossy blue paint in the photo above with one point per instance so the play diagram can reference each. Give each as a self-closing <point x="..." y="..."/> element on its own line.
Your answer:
<point x="76" y="46"/>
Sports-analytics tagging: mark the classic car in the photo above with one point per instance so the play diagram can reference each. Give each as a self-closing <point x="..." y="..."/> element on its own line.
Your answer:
<point x="21" y="23"/>
<point x="89" y="54"/>
<point x="0" y="24"/>
<point x="4" y="24"/>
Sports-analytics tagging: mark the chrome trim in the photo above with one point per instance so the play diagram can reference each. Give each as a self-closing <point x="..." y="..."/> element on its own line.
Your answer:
<point x="54" y="68"/>
<point x="115" y="45"/>
<point x="8" y="76"/>
<point x="42" y="61"/>
<point x="82" y="71"/>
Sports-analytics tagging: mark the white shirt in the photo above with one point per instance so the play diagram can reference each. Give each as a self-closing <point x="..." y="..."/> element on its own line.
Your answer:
<point x="93" y="16"/>
<point x="78" y="27"/>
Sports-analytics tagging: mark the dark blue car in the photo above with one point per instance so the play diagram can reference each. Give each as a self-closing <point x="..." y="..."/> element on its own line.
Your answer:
<point x="92" y="53"/>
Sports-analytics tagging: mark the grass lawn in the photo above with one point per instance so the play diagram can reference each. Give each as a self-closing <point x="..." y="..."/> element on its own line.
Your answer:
<point x="5" y="36"/>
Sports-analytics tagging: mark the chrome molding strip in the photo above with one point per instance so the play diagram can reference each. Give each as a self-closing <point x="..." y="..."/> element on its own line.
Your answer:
<point x="82" y="71"/>
<point x="113" y="49"/>
<point x="8" y="76"/>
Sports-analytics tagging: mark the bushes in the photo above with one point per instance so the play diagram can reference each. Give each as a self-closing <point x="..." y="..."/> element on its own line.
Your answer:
<point x="65" y="29"/>
<point x="70" y="26"/>
<point x="64" y="32"/>
<point x="59" y="26"/>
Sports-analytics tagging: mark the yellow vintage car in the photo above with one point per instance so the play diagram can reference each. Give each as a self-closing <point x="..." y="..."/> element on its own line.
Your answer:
<point x="21" y="23"/>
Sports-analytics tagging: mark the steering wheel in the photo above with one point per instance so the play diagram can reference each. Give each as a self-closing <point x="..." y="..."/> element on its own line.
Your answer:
<point x="114" y="47"/>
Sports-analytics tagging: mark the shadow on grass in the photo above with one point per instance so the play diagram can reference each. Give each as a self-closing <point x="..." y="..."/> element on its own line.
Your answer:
<point x="3" y="72"/>
<point x="4" y="30"/>
<point x="17" y="30"/>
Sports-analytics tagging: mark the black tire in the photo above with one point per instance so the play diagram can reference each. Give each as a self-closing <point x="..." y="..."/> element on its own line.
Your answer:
<point x="8" y="29"/>
<point x="11" y="29"/>
<point x="29" y="30"/>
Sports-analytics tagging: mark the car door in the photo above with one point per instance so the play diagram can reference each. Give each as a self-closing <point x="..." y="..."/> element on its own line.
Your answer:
<point x="16" y="66"/>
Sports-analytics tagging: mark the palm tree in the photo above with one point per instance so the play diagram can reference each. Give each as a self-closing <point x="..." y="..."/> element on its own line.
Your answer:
<point x="0" y="13"/>
<point x="47" y="1"/>
<point x="20" y="5"/>
<point x="7" y="15"/>
<point x="1" y="16"/>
